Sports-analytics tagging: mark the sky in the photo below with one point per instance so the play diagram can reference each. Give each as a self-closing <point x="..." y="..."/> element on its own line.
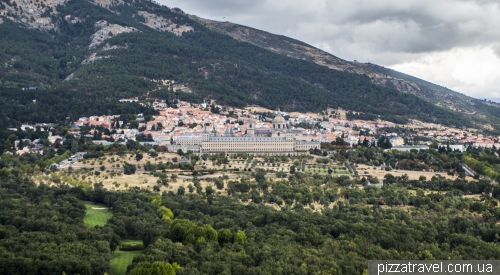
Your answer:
<point x="452" y="43"/>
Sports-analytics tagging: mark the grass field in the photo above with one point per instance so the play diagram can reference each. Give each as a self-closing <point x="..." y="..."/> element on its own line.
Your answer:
<point x="122" y="259"/>
<point x="96" y="216"/>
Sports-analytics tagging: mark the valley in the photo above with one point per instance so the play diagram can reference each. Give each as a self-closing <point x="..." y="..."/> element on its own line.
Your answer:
<point x="138" y="139"/>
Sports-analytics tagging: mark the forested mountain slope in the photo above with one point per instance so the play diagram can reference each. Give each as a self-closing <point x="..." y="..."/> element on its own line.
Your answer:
<point x="84" y="56"/>
<point x="402" y="82"/>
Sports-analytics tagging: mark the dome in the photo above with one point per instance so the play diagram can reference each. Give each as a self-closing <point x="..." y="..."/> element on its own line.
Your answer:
<point x="278" y="119"/>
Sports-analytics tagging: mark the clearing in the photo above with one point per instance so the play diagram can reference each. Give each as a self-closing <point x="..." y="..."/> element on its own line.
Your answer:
<point x="96" y="214"/>
<point x="122" y="259"/>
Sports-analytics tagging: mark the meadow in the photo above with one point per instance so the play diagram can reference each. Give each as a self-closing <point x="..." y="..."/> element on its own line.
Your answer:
<point x="121" y="259"/>
<point x="96" y="214"/>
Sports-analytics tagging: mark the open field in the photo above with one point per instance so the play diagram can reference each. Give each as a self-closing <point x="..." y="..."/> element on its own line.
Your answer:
<point x="146" y="181"/>
<point x="96" y="214"/>
<point x="122" y="259"/>
<point x="412" y="175"/>
<point x="116" y="162"/>
<point x="129" y="242"/>
<point x="112" y="177"/>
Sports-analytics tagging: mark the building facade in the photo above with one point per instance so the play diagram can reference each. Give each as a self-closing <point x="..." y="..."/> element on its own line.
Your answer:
<point x="279" y="140"/>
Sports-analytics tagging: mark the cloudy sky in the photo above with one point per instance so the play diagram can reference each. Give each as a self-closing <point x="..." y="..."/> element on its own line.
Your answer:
<point x="453" y="43"/>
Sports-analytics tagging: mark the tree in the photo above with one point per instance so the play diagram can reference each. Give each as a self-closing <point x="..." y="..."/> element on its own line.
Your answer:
<point x="240" y="237"/>
<point x="209" y="190"/>
<point x="389" y="178"/>
<point x="129" y="169"/>
<point x="181" y="191"/>
<point x="165" y="213"/>
<point x="292" y="169"/>
<point x="138" y="156"/>
<point x="260" y="176"/>
<point x="219" y="184"/>
<point x="154" y="268"/>
<point x="224" y="236"/>
<point x="496" y="192"/>
<point x="74" y="147"/>
<point x="20" y="144"/>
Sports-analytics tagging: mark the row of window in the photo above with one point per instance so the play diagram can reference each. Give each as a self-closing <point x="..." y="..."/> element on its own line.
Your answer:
<point x="250" y="149"/>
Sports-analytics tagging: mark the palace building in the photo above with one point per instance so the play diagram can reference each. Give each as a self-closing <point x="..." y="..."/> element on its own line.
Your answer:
<point x="278" y="140"/>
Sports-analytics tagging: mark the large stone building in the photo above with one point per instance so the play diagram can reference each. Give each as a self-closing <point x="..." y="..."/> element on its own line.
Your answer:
<point x="279" y="140"/>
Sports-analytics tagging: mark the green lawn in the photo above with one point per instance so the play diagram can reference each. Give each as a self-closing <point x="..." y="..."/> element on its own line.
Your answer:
<point x="121" y="259"/>
<point x="129" y="242"/>
<point x="95" y="217"/>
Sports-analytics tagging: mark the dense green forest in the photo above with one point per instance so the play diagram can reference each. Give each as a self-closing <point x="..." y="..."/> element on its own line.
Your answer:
<point x="196" y="230"/>
<point x="42" y="232"/>
<point x="211" y="64"/>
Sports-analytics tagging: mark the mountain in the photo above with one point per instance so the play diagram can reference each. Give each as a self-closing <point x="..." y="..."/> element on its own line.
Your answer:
<point x="84" y="56"/>
<point x="404" y="83"/>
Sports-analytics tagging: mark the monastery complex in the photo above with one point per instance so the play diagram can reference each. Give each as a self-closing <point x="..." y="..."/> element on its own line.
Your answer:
<point x="277" y="140"/>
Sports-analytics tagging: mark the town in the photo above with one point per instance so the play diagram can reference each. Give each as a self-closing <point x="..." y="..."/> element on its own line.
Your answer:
<point x="176" y="125"/>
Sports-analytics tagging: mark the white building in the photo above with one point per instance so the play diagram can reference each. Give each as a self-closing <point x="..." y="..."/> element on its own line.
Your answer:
<point x="280" y="140"/>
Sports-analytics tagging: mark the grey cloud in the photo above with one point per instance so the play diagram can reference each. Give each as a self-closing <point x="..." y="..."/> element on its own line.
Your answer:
<point x="496" y="49"/>
<point x="410" y="26"/>
<point x="384" y="32"/>
<point x="215" y="8"/>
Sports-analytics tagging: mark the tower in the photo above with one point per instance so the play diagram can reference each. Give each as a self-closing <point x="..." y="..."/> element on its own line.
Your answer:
<point x="205" y="136"/>
<point x="251" y="127"/>
<point x="214" y="131"/>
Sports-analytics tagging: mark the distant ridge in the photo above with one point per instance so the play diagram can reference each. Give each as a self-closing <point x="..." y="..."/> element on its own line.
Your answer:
<point x="101" y="51"/>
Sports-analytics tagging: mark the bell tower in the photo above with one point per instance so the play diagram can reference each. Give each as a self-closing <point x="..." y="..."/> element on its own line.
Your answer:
<point x="205" y="135"/>
<point x="251" y="127"/>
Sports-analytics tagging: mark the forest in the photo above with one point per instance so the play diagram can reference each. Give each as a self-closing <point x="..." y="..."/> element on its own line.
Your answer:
<point x="212" y="65"/>
<point x="262" y="225"/>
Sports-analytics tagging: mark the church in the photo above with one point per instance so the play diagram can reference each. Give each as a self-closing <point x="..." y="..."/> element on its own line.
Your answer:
<point x="278" y="140"/>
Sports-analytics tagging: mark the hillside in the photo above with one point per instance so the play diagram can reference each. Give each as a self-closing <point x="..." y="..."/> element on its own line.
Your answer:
<point x="402" y="82"/>
<point x="84" y="56"/>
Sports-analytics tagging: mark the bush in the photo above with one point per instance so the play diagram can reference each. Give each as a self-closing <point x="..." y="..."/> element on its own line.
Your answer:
<point x="132" y="247"/>
<point x="129" y="169"/>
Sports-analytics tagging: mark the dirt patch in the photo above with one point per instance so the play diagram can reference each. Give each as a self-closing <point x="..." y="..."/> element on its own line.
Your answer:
<point x="107" y="31"/>
<point x="162" y="24"/>
<point x="412" y="175"/>
<point x="474" y="196"/>
<point x="407" y="208"/>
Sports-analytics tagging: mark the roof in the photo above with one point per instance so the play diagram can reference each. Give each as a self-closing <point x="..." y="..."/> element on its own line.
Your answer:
<point x="263" y="131"/>
<point x="247" y="139"/>
<point x="279" y="119"/>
